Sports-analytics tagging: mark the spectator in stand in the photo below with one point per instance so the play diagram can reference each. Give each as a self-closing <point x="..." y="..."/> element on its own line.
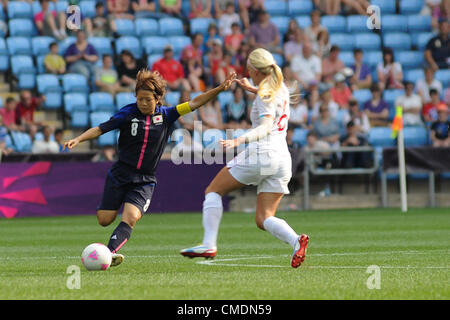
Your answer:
<point x="107" y="154"/>
<point x="264" y="34"/>
<point x="49" y="22"/>
<point x="362" y="77"/>
<point x="423" y="86"/>
<point x="233" y="41"/>
<point x="240" y="59"/>
<point x="59" y="139"/>
<point x="438" y="10"/>
<point x="9" y="113"/>
<point x="322" y="46"/>
<point x="412" y="106"/>
<point x="340" y="93"/>
<point x="118" y="9"/>
<point x="81" y="56"/>
<point x="200" y="9"/>
<point x="210" y="37"/>
<point x="447" y="96"/>
<point x="294" y="45"/>
<point x="53" y="62"/>
<point x="249" y="10"/>
<point x="312" y="32"/>
<point x="99" y="26"/>
<point x="187" y="120"/>
<point x="390" y="73"/>
<point x="325" y="101"/>
<point x="211" y="115"/>
<point x="331" y="65"/>
<point x="171" y="70"/>
<point x="359" y="118"/>
<point x="107" y="78"/>
<point x="128" y="69"/>
<point x="47" y="145"/>
<point x="429" y="111"/>
<point x="376" y="108"/>
<point x="171" y="7"/>
<point x="437" y="53"/>
<point x="440" y="129"/>
<point x="236" y="116"/>
<point x="145" y="9"/>
<point x="228" y="19"/>
<point x="215" y="58"/>
<point x="192" y="61"/>
<point x="299" y="114"/>
<point x="326" y="127"/>
<point x="4" y="151"/>
<point x="354" y="138"/>
<point x="307" y="68"/>
<point x="290" y="33"/>
<point x="25" y="111"/>
<point x="356" y="6"/>
<point x="220" y="6"/>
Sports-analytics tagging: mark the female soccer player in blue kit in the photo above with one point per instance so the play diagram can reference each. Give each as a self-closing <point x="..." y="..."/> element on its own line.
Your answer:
<point x="144" y="131"/>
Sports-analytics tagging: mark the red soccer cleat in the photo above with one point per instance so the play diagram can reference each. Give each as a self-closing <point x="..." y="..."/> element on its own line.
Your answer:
<point x="299" y="254"/>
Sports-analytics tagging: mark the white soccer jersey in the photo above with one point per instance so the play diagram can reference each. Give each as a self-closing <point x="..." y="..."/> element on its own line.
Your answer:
<point x="279" y="109"/>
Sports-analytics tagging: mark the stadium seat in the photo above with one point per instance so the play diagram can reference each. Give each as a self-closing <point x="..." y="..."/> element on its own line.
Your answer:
<point x="152" y="59"/>
<point x="443" y="76"/>
<point x="172" y="98"/>
<point x="101" y="101"/>
<point x="409" y="7"/>
<point x="421" y="40"/>
<point x="357" y="24"/>
<point x="21" y="28"/>
<point x="410" y="59"/>
<point x="47" y="83"/>
<point x="276" y="8"/>
<point x="125" y="27"/>
<point x="74" y="82"/>
<point x="61" y="5"/>
<point x="171" y="27"/>
<point x="4" y="57"/>
<point x="386" y="6"/>
<point x="102" y="45"/>
<point x="347" y="58"/>
<point x="414" y="75"/>
<point x="99" y="117"/>
<point x="178" y="43"/>
<point x="391" y="95"/>
<point x="124" y="98"/>
<point x="87" y="8"/>
<point x="40" y="63"/>
<point x="200" y="25"/>
<point x="344" y="41"/>
<point x="419" y="23"/>
<point x="26" y="81"/>
<point x="53" y="99"/>
<point x="146" y="27"/>
<point x="22" y="141"/>
<point x="334" y="23"/>
<point x="64" y="44"/>
<point x="75" y="100"/>
<point x="303" y="21"/>
<point x="373" y="58"/>
<point x="282" y="23"/>
<point x="225" y="98"/>
<point x="299" y="136"/>
<point x="279" y="59"/>
<point x="19" y="9"/>
<point x="155" y="45"/>
<point x="129" y="43"/>
<point x="381" y="137"/>
<point x="79" y="118"/>
<point x="362" y="96"/>
<point x="22" y="64"/>
<point x="40" y="45"/>
<point x="186" y="8"/>
<point x="299" y="7"/>
<point x="368" y="41"/>
<point x="415" y="136"/>
<point x="19" y="45"/>
<point x="211" y="137"/>
<point x="394" y="23"/>
<point x="397" y="41"/>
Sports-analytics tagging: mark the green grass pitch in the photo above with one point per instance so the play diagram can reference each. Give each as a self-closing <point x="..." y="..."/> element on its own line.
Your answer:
<point x="412" y="251"/>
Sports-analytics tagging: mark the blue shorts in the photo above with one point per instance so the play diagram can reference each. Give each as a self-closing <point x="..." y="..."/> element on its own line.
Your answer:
<point x="121" y="186"/>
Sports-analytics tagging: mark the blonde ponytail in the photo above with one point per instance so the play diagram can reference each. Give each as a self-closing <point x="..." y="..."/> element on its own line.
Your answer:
<point x="263" y="61"/>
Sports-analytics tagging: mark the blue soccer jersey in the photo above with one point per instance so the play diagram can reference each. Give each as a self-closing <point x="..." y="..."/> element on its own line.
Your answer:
<point x="142" y="137"/>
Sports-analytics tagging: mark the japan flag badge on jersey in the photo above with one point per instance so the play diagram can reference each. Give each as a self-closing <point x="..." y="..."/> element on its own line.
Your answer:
<point x="157" y="119"/>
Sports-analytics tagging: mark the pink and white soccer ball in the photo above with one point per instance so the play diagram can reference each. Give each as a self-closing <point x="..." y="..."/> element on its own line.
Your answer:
<point x="96" y="256"/>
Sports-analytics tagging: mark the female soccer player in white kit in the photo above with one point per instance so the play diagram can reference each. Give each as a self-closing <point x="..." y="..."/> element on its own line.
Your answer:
<point x="266" y="162"/>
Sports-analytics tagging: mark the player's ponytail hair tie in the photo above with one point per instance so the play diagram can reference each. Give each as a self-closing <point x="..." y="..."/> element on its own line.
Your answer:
<point x="263" y="61"/>
<point x="151" y="81"/>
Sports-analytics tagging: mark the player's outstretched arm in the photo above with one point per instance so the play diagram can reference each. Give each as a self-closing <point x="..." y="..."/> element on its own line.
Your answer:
<point x="204" y="98"/>
<point x="89" y="134"/>
<point x="246" y="85"/>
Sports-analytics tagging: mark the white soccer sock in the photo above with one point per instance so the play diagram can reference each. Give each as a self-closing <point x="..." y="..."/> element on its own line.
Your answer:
<point x="281" y="230"/>
<point x="212" y="214"/>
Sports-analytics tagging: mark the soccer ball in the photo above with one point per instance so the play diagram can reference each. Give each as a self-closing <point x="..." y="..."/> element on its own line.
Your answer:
<point x="96" y="256"/>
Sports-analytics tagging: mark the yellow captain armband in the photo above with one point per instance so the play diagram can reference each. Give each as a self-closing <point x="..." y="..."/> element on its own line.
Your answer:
<point x="183" y="108"/>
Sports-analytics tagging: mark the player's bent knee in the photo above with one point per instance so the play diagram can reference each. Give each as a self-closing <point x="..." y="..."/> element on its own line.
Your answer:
<point x="260" y="222"/>
<point x="105" y="218"/>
